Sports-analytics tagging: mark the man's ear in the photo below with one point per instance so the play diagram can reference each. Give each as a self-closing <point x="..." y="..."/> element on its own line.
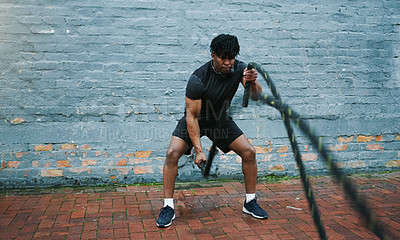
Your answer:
<point x="213" y="56"/>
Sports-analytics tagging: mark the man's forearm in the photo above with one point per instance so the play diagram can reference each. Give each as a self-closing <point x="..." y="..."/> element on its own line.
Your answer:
<point x="194" y="133"/>
<point x="255" y="90"/>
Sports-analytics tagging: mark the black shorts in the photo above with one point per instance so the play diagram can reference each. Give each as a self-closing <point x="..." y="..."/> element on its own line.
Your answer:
<point x="222" y="137"/>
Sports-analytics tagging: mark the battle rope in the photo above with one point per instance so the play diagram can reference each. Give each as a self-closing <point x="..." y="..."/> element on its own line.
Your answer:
<point x="349" y="187"/>
<point x="306" y="183"/>
<point x="205" y="168"/>
<point x="246" y="94"/>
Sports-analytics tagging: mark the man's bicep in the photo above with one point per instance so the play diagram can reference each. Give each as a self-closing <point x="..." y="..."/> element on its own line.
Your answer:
<point x="193" y="107"/>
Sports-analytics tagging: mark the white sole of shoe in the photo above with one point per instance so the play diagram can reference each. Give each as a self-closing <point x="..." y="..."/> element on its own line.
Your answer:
<point x="166" y="225"/>
<point x="252" y="214"/>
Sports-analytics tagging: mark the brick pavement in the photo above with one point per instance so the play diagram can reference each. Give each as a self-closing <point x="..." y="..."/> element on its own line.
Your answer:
<point x="205" y="210"/>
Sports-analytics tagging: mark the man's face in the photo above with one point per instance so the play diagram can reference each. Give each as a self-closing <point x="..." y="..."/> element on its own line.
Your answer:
<point x="222" y="65"/>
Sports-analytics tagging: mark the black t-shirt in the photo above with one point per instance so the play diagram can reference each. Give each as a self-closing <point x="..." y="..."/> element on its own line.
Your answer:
<point x="216" y="90"/>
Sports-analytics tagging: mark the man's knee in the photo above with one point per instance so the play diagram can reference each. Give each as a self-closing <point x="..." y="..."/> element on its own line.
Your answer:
<point x="171" y="153"/>
<point x="176" y="149"/>
<point x="172" y="156"/>
<point x="249" y="154"/>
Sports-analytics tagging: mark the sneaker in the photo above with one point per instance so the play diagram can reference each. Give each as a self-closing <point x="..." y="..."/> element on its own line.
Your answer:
<point x="254" y="209"/>
<point x="166" y="216"/>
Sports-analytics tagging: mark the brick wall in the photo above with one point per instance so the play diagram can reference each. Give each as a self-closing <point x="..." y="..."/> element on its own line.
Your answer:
<point x="91" y="90"/>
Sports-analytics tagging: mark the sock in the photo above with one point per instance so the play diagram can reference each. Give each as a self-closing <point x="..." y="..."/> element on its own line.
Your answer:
<point x="169" y="202"/>
<point x="250" y="196"/>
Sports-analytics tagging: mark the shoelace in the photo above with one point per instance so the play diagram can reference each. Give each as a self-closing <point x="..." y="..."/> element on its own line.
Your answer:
<point x="255" y="204"/>
<point x="164" y="211"/>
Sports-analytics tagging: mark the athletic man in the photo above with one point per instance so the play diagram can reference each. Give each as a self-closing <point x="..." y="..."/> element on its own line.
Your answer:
<point x="209" y="92"/>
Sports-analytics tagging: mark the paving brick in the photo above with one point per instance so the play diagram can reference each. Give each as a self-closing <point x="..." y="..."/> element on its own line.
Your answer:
<point x="198" y="216"/>
<point x="121" y="233"/>
<point x="152" y="235"/>
<point x="105" y="234"/>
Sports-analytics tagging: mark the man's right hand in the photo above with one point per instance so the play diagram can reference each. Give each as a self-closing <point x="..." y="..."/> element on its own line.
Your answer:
<point x="200" y="157"/>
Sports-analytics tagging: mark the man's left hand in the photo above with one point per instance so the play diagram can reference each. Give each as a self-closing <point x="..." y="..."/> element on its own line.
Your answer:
<point x="250" y="75"/>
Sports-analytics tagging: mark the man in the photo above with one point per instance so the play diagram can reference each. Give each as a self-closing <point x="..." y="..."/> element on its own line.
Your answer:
<point x="209" y="92"/>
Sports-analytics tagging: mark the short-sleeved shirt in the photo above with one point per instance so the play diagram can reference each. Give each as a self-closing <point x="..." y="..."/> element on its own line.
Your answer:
<point x="216" y="90"/>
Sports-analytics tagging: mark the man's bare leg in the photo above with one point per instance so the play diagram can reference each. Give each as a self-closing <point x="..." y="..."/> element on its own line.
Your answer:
<point x="176" y="149"/>
<point x="247" y="152"/>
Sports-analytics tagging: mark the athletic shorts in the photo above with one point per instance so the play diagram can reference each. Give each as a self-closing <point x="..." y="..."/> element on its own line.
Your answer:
<point x="222" y="137"/>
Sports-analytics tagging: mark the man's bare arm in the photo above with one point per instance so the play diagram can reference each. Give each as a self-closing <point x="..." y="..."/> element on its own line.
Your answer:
<point x="193" y="108"/>
<point x="255" y="87"/>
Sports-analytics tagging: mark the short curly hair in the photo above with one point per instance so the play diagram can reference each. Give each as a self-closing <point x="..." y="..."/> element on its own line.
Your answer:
<point x="225" y="46"/>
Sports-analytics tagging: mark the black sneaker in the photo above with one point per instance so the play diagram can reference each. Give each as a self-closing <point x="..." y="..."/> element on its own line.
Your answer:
<point x="166" y="216"/>
<point x="254" y="209"/>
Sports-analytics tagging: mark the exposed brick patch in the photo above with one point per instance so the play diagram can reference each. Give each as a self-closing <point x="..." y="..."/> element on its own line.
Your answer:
<point x="139" y="160"/>
<point x="86" y="147"/>
<point x="374" y="147"/>
<point x="362" y="138"/>
<point x="17" y="120"/>
<point x="276" y="168"/>
<point x="309" y="157"/>
<point x="260" y="149"/>
<point x="393" y="163"/>
<point x="345" y="140"/>
<point x="283" y="149"/>
<point x="40" y="147"/>
<point x="143" y="154"/>
<point x="51" y="173"/>
<point x="13" y="164"/>
<point x="143" y="169"/>
<point x="121" y="162"/>
<point x="79" y="170"/>
<point x="63" y="163"/>
<point x="379" y="138"/>
<point x="68" y="146"/>
<point x="339" y="147"/>
<point x="88" y="162"/>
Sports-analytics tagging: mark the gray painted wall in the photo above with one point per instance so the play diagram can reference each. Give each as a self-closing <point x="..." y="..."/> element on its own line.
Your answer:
<point x="91" y="90"/>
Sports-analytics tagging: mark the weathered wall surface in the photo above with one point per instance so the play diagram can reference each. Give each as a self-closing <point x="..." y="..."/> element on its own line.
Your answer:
<point x="91" y="90"/>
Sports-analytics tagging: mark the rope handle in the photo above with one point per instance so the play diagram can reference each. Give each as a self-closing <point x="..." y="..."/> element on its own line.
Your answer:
<point x="246" y="94"/>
